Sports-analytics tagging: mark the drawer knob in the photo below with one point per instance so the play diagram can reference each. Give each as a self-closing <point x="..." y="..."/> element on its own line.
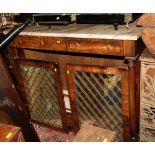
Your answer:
<point x="42" y="43"/>
<point x="57" y="18"/>
<point x="20" y="41"/>
<point x="58" y="41"/>
<point x="77" y="44"/>
<point x="109" y="47"/>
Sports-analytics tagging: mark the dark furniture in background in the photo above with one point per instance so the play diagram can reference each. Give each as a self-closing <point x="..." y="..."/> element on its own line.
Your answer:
<point x="11" y="106"/>
<point x="12" y="110"/>
<point x="147" y="106"/>
<point x="10" y="133"/>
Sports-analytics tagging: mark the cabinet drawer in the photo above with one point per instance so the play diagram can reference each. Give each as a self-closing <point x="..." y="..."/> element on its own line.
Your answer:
<point x="32" y="42"/>
<point x="59" y="44"/>
<point x="95" y="46"/>
<point x="39" y="42"/>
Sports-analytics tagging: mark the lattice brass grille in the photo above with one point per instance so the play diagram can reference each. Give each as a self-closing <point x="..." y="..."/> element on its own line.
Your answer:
<point x="41" y="94"/>
<point x="99" y="98"/>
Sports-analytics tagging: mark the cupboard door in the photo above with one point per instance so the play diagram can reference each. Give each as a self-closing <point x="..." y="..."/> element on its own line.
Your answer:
<point x="42" y="89"/>
<point x="100" y="95"/>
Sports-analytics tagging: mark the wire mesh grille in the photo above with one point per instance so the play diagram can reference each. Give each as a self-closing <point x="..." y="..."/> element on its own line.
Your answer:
<point x="99" y="99"/>
<point x="41" y="94"/>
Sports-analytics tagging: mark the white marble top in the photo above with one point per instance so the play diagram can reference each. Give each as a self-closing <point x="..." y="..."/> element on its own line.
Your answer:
<point x="101" y="31"/>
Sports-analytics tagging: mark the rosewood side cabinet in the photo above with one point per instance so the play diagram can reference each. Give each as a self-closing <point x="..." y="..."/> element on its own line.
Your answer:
<point x="100" y="76"/>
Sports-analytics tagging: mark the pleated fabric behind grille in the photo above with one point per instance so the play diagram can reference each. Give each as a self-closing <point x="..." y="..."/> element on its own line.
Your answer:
<point x="99" y="99"/>
<point x="40" y="88"/>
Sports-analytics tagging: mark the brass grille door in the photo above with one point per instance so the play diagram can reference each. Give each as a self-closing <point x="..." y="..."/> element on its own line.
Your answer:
<point x="100" y="94"/>
<point x="43" y="92"/>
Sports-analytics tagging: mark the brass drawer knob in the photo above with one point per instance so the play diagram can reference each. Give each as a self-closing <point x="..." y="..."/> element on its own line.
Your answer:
<point x="42" y="43"/>
<point x="58" y="18"/>
<point x="58" y="41"/>
<point x="109" y="47"/>
<point x="20" y="41"/>
<point x="77" y="44"/>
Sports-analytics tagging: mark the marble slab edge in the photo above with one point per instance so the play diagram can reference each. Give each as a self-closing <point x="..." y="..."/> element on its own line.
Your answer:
<point x="91" y="36"/>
